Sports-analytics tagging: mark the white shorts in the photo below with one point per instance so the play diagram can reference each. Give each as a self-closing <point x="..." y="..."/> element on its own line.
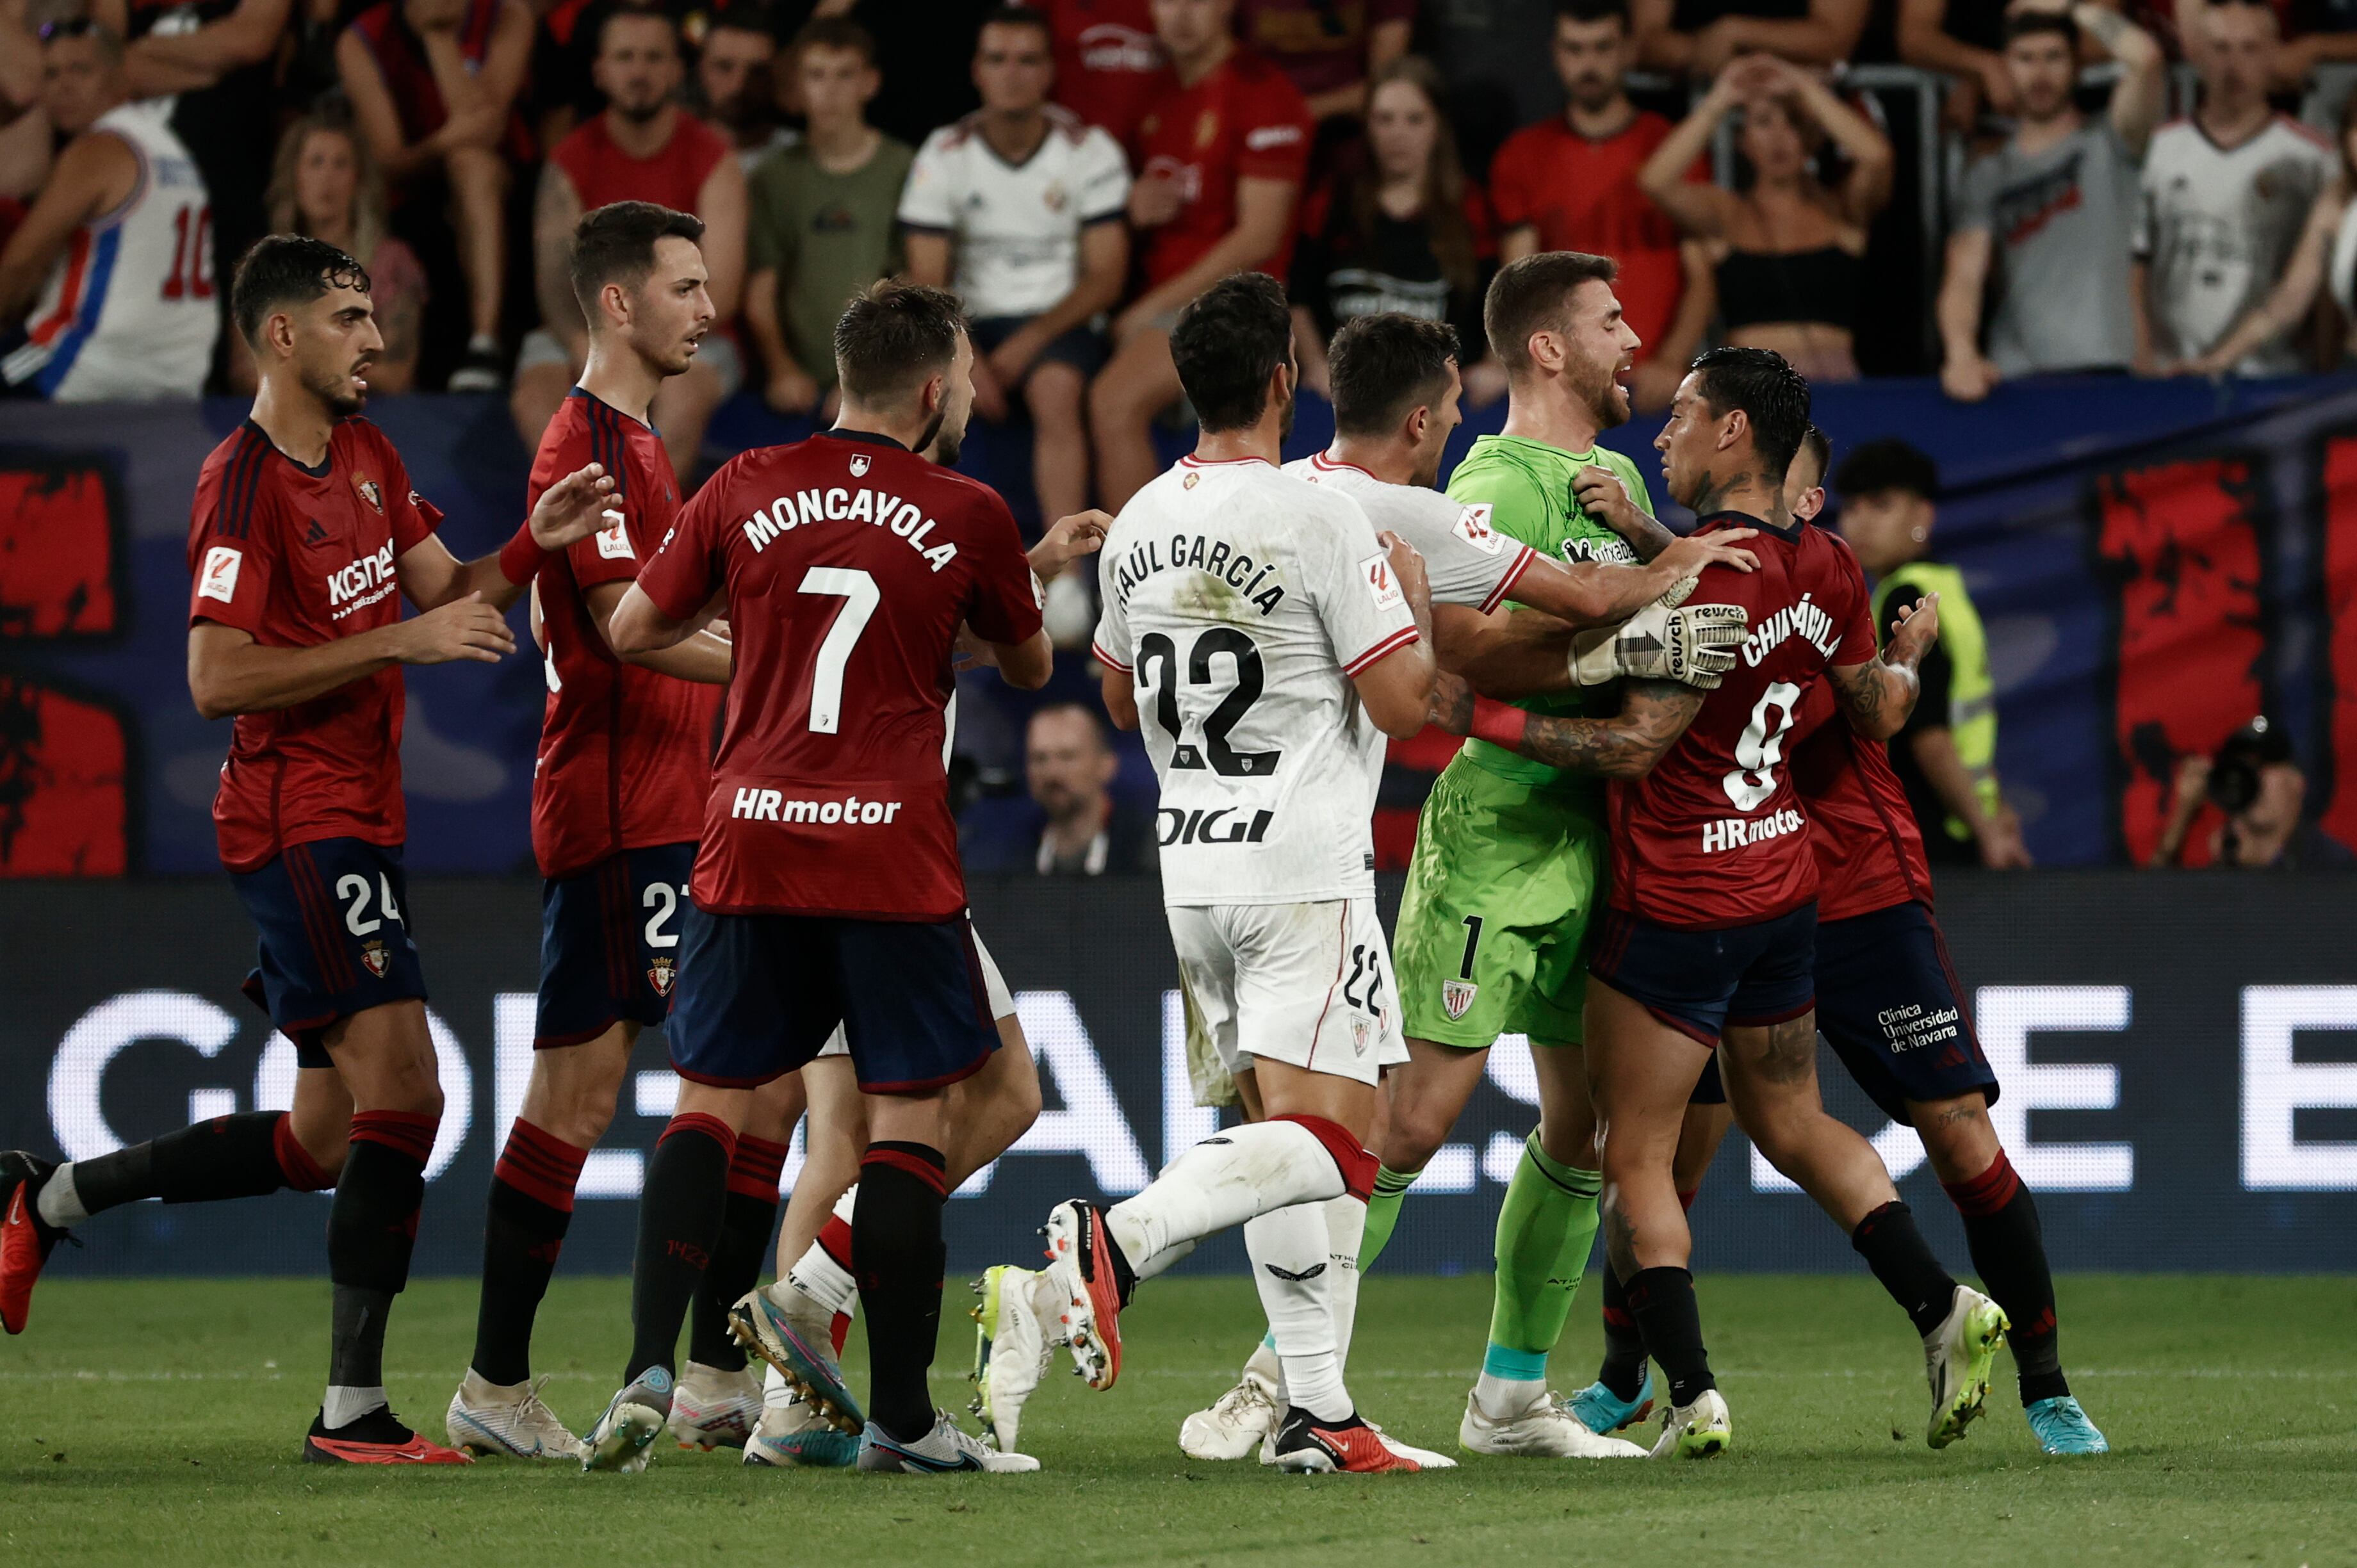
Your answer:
<point x="1306" y="984"/>
<point x="994" y="987"/>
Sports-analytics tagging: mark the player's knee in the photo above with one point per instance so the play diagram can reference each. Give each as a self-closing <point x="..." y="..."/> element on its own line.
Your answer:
<point x="1413" y="1135"/>
<point x="1959" y="1140"/>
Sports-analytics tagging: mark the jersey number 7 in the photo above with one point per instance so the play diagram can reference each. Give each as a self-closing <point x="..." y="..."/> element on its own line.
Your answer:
<point x="857" y="591"/>
<point x="1225" y="760"/>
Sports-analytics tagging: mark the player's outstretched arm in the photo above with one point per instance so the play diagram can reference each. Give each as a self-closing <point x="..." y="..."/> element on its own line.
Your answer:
<point x="1588" y="595"/>
<point x="229" y="673"/>
<point x="1397" y="688"/>
<point x="1653" y="715"/>
<point x="1879" y="694"/>
<point x="703" y="656"/>
<point x="636" y="629"/>
<point x="570" y="509"/>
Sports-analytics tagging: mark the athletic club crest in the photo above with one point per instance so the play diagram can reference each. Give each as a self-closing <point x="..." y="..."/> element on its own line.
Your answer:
<point x="374" y="955"/>
<point x="1188" y="482"/>
<point x="659" y="974"/>
<point x="859" y="465"/>
<point x="370" y="493"/>
<point x="1456" y="997"/>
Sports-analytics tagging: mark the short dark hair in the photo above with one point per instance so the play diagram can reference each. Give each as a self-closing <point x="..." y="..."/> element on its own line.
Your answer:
<point x="836" y="33"/>
<point x="744" y="17"/>
<point x="287" y="269"/>
<point x="1094" y="720"/>
<point x="1888" y="466"/>
<point x="1817" y="445"/>
<point x="2027" y="23"/>
<point x="635" y="9"/>
<point x="1013" y="16"/>
<point x="616" y="243"/>
<point x="1593" y="11"/>
<point x="1228" y="342"/>
<point x="1384" y="365"/>
<point x="893" y="336"/>
<point x="1772" y="395"/>
<point x="1531" y="294"/>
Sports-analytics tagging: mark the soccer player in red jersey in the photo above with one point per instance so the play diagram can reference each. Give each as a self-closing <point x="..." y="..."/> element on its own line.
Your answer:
<point x="827" y="888"/>
<point x="1889" y="1003"/>
<point x="1709" y="944"/>
<point x="1221" y="156"/>
<point x="304" y="528"/>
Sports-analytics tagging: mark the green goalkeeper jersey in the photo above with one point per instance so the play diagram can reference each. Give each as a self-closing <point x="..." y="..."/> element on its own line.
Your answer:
<point x="1527" y="486"/>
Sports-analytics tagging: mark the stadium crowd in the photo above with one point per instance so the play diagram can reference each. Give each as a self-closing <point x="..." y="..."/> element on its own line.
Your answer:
<point x="1079" y="170"/>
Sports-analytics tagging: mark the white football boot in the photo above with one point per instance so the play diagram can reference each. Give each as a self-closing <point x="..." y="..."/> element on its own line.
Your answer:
<point x="508" y="1420"/>
<point x="943" y="1449"/>
<point x="632" y="1420"/>
<point x="1239" y="1421"/>
<point x="1542" y="1429"/>
<point x="1697" y="1430"/>
<point x="712" y="1408"/>
<point x="1012" y="1345"/>
<point x="1956" y="1357"/>
<point x="1421" y="1458"/>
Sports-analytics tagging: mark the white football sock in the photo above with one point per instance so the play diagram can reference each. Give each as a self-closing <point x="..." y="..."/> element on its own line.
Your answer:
<point x="343" y="1406"/>
<point x="816" y="1273"/>
<point x="1222" y="1181"/>
<point x="60" y="1204"/>
<point x="1265" y="1369"/>
<point x="1346" y="1227"/>
<point x="1508" y="1396"/>
<point x="1295" y="1273"/>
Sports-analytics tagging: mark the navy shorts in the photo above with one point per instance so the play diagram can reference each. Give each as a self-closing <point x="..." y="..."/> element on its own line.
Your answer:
<point x="1700" y="982"/>
<point x="610" y="943"/>
<point x="1888" y="1003"/>
<point x="759" y="994"/>
<point x="1710" y="1088"/>
<point x="1078" y="347"/>
<point x="333" y="917"/>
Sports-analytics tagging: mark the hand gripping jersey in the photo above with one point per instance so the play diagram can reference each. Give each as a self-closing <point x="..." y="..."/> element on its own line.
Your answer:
<point x="129" y="311"/>
<point x="295" y="557"/>
<point x="1016" y="228"/>
<point x="1466" y="560"/>
<point x="1240" y="601"/>
<point x="1869" y="850"/>
<point x="848" y="563"/>
<point x="1714" y="834"/>
<point x="1242" y="120"/>
<point x="625" y="753"/>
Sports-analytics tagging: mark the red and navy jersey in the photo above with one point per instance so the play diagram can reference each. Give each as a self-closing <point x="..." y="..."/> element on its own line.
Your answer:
<point x="1244" y="120"/>
<point x="1715" y="836"/>
<point x="848" y="563"/>
<point x="625" y="752"/>
<point x="295" y="557"/>
<point x="1869" y="850"/>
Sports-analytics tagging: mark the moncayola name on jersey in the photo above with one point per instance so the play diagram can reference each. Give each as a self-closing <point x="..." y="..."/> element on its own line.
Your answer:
<point x="839" y="503"/>
<point x="1258" y="582"/>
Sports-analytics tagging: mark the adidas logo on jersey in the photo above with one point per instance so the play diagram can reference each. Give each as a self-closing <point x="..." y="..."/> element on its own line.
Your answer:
<point x="1735" y="833"/>
<point x="754" y="804"/>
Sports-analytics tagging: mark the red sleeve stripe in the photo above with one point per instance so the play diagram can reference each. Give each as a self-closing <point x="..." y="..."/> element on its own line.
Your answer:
<point x="1523" y="556"/>
<point x="1108" y="661"/>
<point x="1400" y="638"/>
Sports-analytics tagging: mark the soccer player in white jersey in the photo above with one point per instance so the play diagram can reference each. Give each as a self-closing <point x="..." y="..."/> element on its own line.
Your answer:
<point x="1395" y="392"/>
<point x="1267" y="641"/>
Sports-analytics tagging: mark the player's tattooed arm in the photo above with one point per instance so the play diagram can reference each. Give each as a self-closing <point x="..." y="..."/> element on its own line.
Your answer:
<point x="1653" y="715"/>
<point x="1879" y="694"/>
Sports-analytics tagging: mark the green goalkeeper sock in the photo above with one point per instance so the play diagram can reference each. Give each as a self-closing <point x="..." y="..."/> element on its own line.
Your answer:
<point x="1545" y="1229"/>
<point x="1382" y="1213"/>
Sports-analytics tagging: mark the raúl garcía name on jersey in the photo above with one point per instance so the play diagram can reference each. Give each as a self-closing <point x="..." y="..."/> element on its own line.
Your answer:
<point x="1256" y="582"/>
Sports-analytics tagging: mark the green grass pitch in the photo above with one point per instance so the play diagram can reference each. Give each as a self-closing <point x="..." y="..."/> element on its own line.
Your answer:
<point x="158" y="1421"/>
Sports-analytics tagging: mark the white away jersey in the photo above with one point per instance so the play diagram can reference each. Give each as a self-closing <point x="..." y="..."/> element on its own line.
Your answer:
<point x="1467" y="562"/>
<point x="128" y="312"/>
<point x="1015" y="227"/>
<point x="2218" y="226"/>
<point x="1241" y="601"/>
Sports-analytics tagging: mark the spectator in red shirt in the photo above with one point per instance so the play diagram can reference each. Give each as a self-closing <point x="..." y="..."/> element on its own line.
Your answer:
<point x="1570" y="184"/>
<point x="1330" y="51"/>
<point x="1221" y="157"/>
<point x="643" y="147"/>
<point x="433" y="85"/>
<point x="1700" y="37"/>
<point x="1400" y="231"/>
<point x="1109" y="64"/>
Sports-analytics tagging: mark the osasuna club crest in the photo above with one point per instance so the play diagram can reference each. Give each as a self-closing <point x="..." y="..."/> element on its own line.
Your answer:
<point x="859" y="465"/>
<point x="658" y="972"/>
<point x="370" y="493"/>
<point x="1456" y="996"/>
<point x="374" y="954"/>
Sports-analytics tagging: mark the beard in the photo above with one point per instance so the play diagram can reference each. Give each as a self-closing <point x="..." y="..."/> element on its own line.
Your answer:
<point x="943" y="443"/>
<point x="639" y="114"/>
<point x="1592" y="94"/>
<point x="335" y="394"/>
<point x="1605" y="400"/>
<point x="1285" y="412"/>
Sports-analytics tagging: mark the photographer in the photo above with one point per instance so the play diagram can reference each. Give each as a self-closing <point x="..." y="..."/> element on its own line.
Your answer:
<point x="2258" y="785"/>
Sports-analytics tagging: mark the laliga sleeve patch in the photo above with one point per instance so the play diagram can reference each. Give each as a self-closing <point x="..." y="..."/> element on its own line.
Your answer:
<point x="1383" y="585"/>
<point x="1473" y="526"/>
<point x="218" y="580"/>
<point x="614" y="543"/>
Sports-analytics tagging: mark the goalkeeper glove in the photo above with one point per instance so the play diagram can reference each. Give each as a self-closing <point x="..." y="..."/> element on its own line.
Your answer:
<point x="1694" y="645"/>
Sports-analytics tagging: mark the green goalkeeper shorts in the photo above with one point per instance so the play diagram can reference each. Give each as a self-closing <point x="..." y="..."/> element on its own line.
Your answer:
<point x="1493" y="924"/>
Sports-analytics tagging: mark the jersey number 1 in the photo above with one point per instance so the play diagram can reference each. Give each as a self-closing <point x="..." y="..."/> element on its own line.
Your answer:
<point x="857" y="591"/>
<point x="1761" y="746"/>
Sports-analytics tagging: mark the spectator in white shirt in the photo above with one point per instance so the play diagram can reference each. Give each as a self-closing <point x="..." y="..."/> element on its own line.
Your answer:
<point x="2225" y="197"/>
<point x="1018" y="206"/>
